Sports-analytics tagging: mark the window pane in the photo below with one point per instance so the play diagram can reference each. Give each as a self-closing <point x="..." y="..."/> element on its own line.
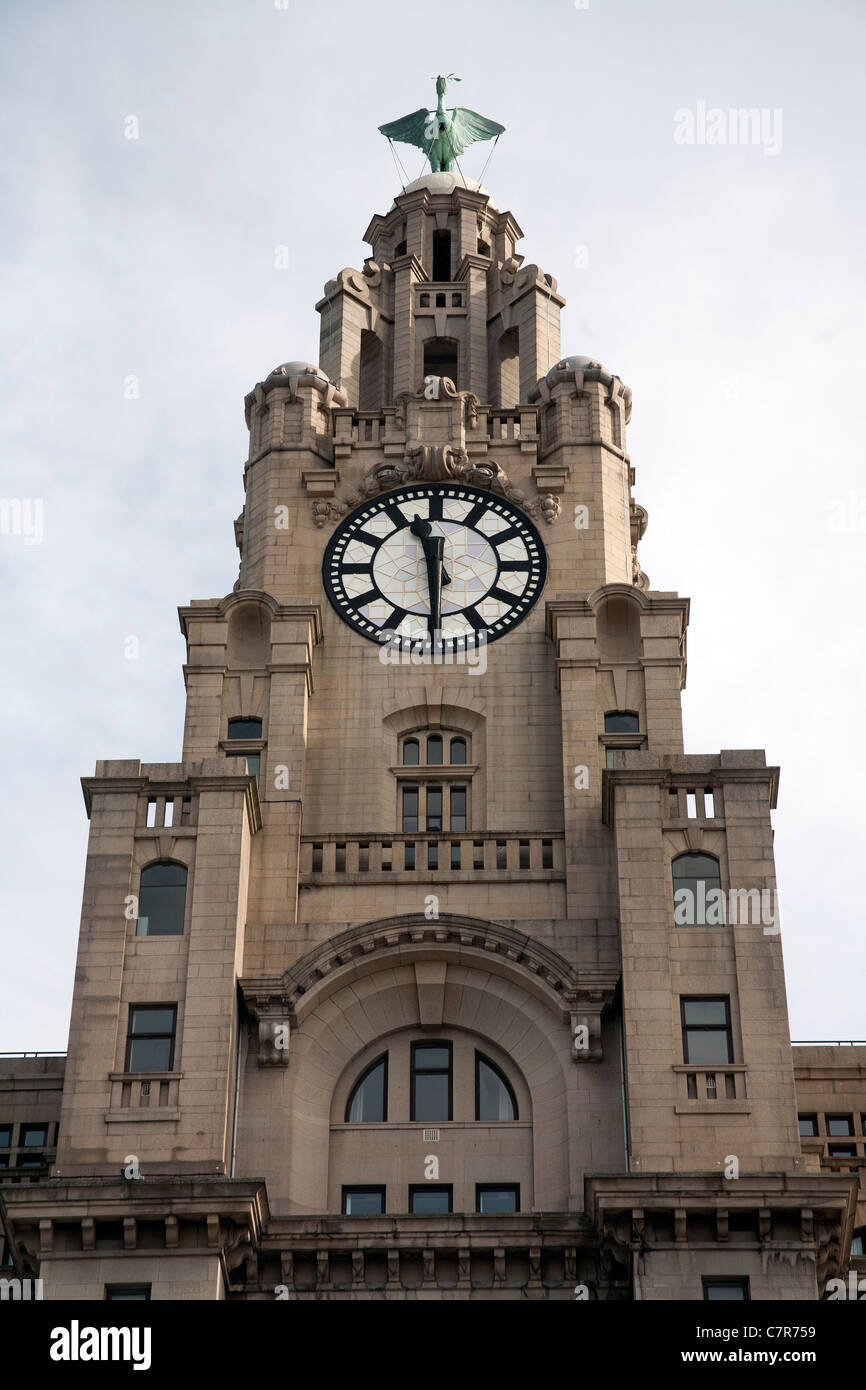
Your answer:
<point x="808" y="1126"/>
<point x="146" y="1020"/>
<point x="139" y="1295"/>
<point x="458" y="750"/>
<point x="245" y="728"/>
<point x="497" y="1199"/>
<point x="494" y="1098"/>
<point x="34" y="1136"/>
<point x="705" y="1011"/>
<point x="357" y="1202"/>
<point x="857" y="1243"/>
<point x="162" y="900"/>
<point x="5" y="1136"/>
<point x="410" y="752"/>
<point x="709" y="1046"/>
<point x="621" y="722"/>
<point x="434" y="808"/>
<point x="725" y="1293"/>
<point x="410" y="808"/>
<point x="431" y="1096"/>
<point x="434" y="749"/>
<point x="368" y="1099"/>
<point x="688" y="868"/>
<point x="839" y="1124"/>
<point x="432" y="1057"/>
<point x="150" y="1054"/>
<point x="431" y="1201"/>
<point x="254" y="764"/>
<point x="458" y="808"/>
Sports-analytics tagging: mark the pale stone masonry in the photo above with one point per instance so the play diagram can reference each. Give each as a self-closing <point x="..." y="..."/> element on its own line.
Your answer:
<point x="359" y="858"/>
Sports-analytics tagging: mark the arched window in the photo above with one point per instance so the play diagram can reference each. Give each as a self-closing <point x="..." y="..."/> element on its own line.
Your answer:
<point x="161" y="899"/>
<point x="494" y="1098"/>
<point x="621" y="721"/>
<point x="698" y="899"/>
<point x="368" y="1103"/>
<point x="458" y="750"/>
<point x="440" y="358"/>
<point x="434" y="749"/>
<point x="410" y="752"/>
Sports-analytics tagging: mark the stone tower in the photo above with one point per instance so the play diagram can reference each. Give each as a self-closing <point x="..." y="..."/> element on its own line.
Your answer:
<point x="435" y="968"/>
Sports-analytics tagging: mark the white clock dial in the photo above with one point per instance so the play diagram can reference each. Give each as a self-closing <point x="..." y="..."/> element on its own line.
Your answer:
<point x="435" y="558"/>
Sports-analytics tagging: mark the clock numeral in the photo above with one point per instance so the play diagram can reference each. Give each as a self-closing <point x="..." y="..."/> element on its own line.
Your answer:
<point x="503" y="596"/>
<point x="366" y="538"/>
<point x="514" y="564"/>
<point x="474" y="619"/>
<point x="434" y="511"/>
<point x="363" y="568"/>
<point x="358" y="600"/>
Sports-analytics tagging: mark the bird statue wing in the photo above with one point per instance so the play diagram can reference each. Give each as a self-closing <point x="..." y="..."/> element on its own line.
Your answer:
<point x="410" y="130"/>
<point x="467" y="127"/>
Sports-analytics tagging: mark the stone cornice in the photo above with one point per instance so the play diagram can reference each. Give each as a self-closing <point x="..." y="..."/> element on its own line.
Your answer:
<point x="611" y="778"/>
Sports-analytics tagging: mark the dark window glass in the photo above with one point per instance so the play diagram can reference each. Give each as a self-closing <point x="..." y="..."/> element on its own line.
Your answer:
<point x="458" y="808"/>
<point x="840" y="1125"/>
<point x="430" y="1081"/>
<point x="363" y="1201"/>
<point x="254" y="764"/>
<point x="494" y="1098"/>
<point x="458" y="751"/>
<point x="245" y="728"/>
<point x="410" y="808"/>
<point x="408" y="856"/>
<point x="440" y="301"/>
<point x="118" y="1293"/>
<point x="410" y="752"/>
<point x="493" y="1197"/>
<point x="368" y="1103"/>
<point x="695" y="875"/>
<point x="841" y="1151"/>
<point x="621" y="722"/>
<point x="726" y="1290"/>
<point x="706" y="1031"/>
<point x="150" y="1044"/>
<point x="857" y="1242"/>
<point x="5" y="1136"/>
<point x="808" y="1126"/>
<point x="429" y="1200"/>
<point x="440" y="358"/>
<point x="434" y="750"/>
<point x="33" y="1136"/>
<point x="30" y="1160"/>
<point x="161" y="899"/>
<point x="441" y="255"/>
<point x="434" y="808"/>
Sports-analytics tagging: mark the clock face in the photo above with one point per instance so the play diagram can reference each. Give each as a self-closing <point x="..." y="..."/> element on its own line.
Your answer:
<point x="434" y="560"/>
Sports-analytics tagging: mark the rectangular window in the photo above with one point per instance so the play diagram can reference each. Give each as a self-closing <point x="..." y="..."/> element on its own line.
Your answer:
<point x="363" y="1201"/>
<point x="431" y="1082"/>
<point x="434" y="809"/>
<point x="726" y="1290"/>
<point x="497" y="1197"/>
<point x="426" y="1199"/>
<point x="408" y="856"/>
<point x="127" y="1293"/>
<point x="33" y="1136"/>
<point x="707" y="1030"/>
<point x="5" y="1136"/>
<point x="841" y="1151"/>
<point x="523" y="854"/>
<point x="150" y="1043"/>
<point x="478" y="854"/>
<point x="547" y="854"/>
<point x="808" y="1126"/>
<point x="340" y="858"/>
<point x="840" y="1126"/>
<point x="410" y="808"/>
<point x="432" y="855"/>
<point x="455" y="854"/>
<point x="458" y="808"/>
<point x="254" y="764"/>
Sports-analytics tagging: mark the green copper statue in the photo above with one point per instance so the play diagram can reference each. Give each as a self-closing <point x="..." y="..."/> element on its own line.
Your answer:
<point x="441" y="134"/>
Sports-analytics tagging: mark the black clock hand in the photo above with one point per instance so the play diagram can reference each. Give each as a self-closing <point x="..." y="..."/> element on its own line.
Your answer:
<point x="434" y="548"/>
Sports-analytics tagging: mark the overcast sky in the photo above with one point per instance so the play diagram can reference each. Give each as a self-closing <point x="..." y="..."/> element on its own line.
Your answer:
<point x="722" y="282"/>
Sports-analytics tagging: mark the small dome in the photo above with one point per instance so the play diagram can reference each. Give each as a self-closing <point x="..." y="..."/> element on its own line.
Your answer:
<point x="299" y="369"/>
<point x="576" y="364"/>
<point x="441" y="182"/>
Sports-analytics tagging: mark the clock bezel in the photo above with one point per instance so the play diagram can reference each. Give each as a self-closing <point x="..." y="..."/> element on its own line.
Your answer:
<point x="342" y="535"/>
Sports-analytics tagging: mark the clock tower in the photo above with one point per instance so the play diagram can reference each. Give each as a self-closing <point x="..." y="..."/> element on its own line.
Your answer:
<point x="383" y="990"/>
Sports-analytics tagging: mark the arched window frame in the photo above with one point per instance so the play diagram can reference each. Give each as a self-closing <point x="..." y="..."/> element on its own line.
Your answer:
<point x="371" y="1067"/>
<point x="497" y="1071"/>
<point x="449" y="784"/>
<point x="143" y="887"/>
<point x="710" y="883"/>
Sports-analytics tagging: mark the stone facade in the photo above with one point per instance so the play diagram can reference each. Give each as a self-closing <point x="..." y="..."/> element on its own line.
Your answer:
<point x="207" y="1142"/>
